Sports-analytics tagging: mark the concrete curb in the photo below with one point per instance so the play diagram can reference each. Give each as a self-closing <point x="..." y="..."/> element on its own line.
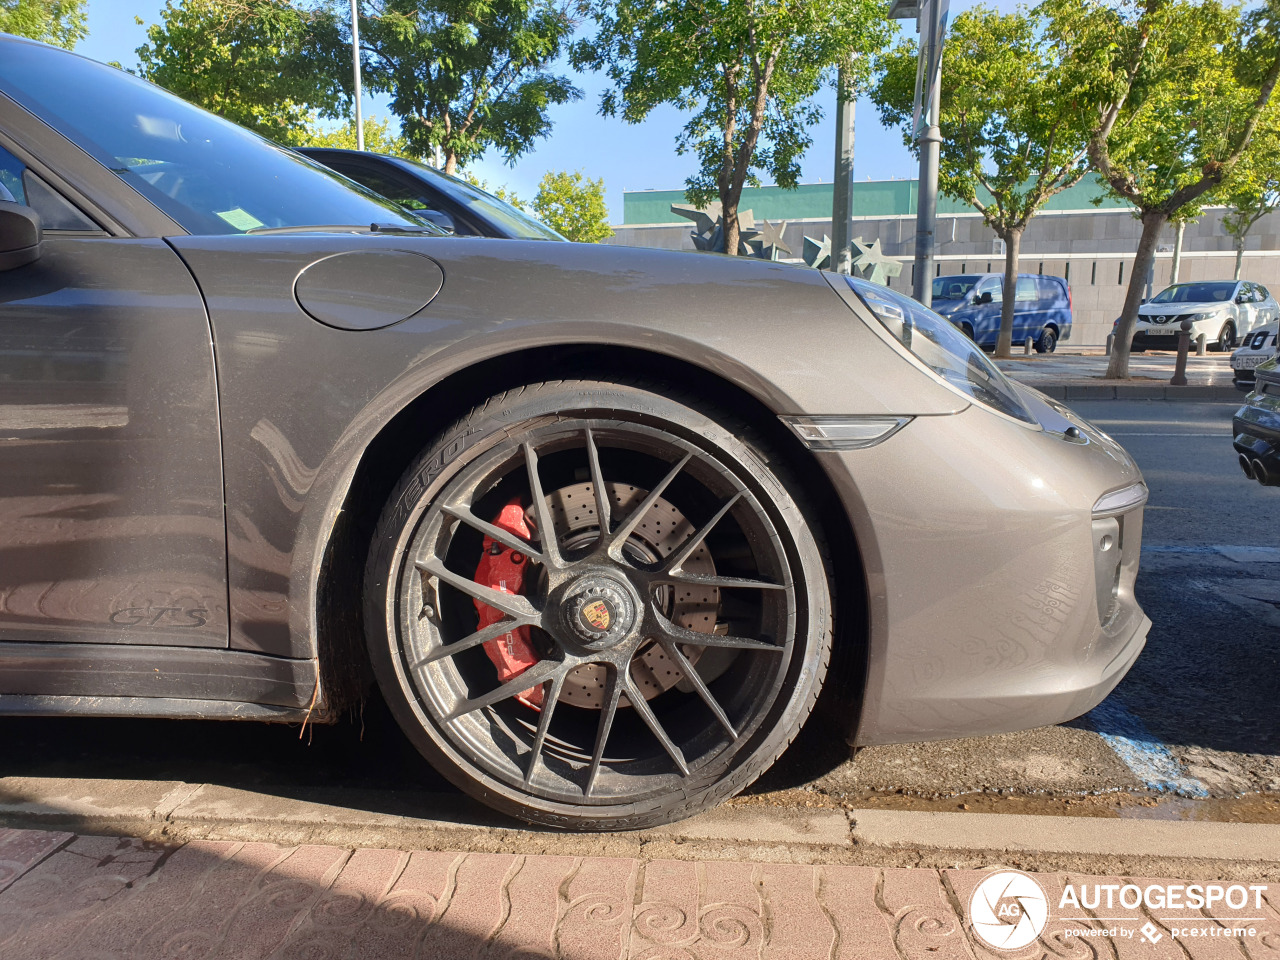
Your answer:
<point x="1133" y="391"/>
<point x="1067" y="836"/>
<point x="176" y="811"/>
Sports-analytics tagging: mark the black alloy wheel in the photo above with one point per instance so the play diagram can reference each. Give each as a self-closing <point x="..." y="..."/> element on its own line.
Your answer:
<point x="673" y="614"/>
<point x="1048" y="341"/>
<point x="1227" y="337"/>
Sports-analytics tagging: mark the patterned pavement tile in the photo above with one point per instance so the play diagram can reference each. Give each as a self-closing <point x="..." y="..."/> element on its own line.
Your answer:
<point x="20" y="850"/>
<point x="100" y="898"/>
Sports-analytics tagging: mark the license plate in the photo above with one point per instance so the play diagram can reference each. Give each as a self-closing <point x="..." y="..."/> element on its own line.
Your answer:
<point x="1163" y="331"/>
<point x="1248" y="363"/>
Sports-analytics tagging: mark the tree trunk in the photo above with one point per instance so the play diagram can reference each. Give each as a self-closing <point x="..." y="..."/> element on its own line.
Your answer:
<point x="1179" y="230"/>
<point x="1012" y="248"/>
<point x="450" y="162"/>
<point x="1153" y="222"/>
<point x="729" y="217"/>
<point x="1239" y="254"/>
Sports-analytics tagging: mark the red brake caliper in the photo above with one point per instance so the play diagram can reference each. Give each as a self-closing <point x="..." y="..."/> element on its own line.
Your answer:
<point x="502" y="569"/>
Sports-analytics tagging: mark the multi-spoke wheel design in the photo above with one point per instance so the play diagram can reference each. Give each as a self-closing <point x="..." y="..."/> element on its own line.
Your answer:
<point x="671" y="621"/>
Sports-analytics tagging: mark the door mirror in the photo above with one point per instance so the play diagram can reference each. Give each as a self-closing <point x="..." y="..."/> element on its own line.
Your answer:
<point x="440" y="219"/>
<point x="20" y="236"/>
<point x="984" y="297"/>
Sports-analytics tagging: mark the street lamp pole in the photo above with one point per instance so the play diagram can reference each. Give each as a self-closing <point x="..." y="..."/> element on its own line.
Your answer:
<point x="842" y="192"/>
<point x="355" y="65"/>
<point x="931" y="22"/>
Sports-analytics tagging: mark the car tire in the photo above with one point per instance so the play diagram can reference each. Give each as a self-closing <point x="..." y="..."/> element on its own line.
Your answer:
<point x="1227" y="337"/>
<point x="1047" y="341"/>
<point x="698" y="681"/>
<point x="967" y="330"/>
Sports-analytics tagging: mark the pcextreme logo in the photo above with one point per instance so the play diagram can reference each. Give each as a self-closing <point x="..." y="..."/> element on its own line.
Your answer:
<point x="1009" y="910"/>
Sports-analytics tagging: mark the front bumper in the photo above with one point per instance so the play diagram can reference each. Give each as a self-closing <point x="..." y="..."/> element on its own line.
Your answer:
<point x="1165" y="336"/>
<point x="978" y="541"/>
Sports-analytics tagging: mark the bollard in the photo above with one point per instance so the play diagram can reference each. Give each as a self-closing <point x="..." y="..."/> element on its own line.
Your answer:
<point x="1111" y="342"/>
<point x="1184" y="345"/>
<point x="1201" y="348"/>
<point x="1026" y="347"/>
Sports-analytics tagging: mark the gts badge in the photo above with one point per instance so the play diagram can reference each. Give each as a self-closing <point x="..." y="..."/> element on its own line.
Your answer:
<point x="150" y="616"/>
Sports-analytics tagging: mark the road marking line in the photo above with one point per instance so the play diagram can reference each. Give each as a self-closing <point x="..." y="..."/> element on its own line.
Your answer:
<point x="1139" y="750"/>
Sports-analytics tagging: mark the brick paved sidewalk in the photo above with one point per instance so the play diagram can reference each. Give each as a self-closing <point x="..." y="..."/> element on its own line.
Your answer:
<point x="90" y="898"/>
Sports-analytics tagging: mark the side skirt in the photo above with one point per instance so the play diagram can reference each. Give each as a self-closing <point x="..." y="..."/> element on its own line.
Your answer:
<point x="124" y="680"/>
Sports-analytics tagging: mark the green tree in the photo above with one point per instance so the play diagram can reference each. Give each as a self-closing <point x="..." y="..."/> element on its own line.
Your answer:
<point x="378" y="138"/>
<point x="251" y="61"/>
<point x="573" y="205"/>
<point x="1172" y="91"/>
<point x="1253" y="189"/>
<point x="746" y="69"/>
<point x="60" y="22"/>
<point x="467" y="75"/>
<point x="1009" y="140"/>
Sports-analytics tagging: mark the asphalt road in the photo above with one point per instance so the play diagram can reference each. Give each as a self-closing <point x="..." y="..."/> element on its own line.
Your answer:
<point x="1194" y="725"/>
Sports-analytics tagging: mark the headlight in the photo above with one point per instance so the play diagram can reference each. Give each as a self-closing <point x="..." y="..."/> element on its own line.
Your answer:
<point x="942" y="348"/>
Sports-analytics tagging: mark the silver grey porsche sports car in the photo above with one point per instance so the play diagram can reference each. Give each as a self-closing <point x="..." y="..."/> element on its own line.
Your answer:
<point x="600" y="523"/>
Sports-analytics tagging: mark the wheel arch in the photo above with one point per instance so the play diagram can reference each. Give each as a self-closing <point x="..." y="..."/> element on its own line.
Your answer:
<point x="345" y="672"/>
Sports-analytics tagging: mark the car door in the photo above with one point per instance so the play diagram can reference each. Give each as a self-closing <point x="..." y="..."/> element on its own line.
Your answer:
<point x="111" y="503"/>
<point x="1026" y="310"/>
<point x="1246" y="311"/>
<point x="985" y="317"/>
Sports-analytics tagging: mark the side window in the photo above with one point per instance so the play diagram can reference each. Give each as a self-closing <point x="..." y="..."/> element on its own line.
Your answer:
<point x="1263" y="293"/>
<point x="1026" y="289"/>
<point x="1050" y="290"/>
<point x="21" y="185"/>
<point x="379" y="183"/>
<point x="993" y="286"/>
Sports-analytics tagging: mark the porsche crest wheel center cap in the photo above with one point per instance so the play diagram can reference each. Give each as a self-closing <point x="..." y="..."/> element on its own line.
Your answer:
<point x="600" y="611"/>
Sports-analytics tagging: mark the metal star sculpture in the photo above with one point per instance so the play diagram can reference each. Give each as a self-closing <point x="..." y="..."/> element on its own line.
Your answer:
<point x="708" y="232"/>
<point x="770" y="240"/>
<point x="817" y="255"/>
<point x="870" y="262"/>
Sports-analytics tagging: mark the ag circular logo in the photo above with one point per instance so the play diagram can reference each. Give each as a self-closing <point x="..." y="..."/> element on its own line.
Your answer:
<point x="1008" y="910"/>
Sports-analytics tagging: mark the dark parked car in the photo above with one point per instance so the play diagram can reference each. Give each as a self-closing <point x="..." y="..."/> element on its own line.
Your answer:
<point x="458" y="206"/>
<point x="1041" y="307"/>
<point x="600" y="523"/>
<point x="1256" y="426"/>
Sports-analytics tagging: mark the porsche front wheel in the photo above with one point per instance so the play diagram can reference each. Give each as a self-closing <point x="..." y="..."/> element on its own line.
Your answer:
<point x="594" y="607"/>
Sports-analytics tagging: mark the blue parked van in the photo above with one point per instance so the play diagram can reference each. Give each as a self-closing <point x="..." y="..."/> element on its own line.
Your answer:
<point x="1041" y="308"/>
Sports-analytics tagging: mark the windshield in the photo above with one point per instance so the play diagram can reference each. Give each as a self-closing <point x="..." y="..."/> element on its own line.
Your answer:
<point x="206" y="173"/>
<point x="942" y="348"/>
<point x="953" y="288"/>
<point x="1195" y="293"/>
<point x="516" y="223"/>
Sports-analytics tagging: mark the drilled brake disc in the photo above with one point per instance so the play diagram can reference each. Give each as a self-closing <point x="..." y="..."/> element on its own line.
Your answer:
<point x="662" y="529"/>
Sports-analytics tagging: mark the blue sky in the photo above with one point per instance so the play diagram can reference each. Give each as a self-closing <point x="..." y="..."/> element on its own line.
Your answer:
<point x="626" y="156"/>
